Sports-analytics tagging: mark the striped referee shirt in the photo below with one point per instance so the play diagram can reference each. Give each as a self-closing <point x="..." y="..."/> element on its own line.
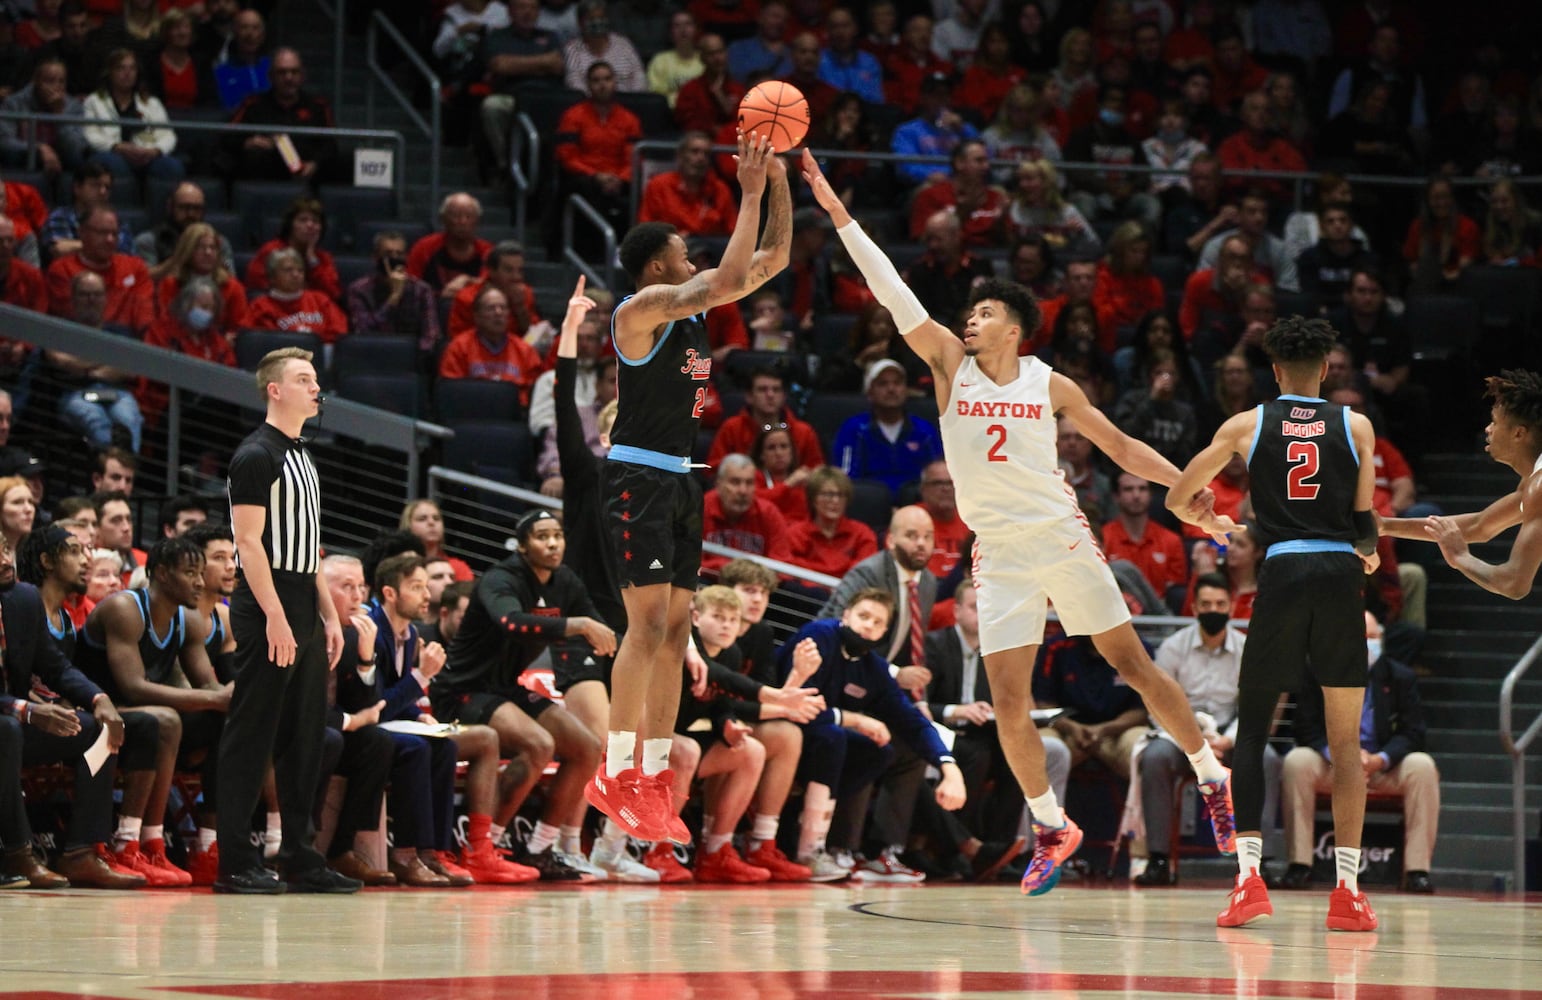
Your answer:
<point x="275" y="472"/>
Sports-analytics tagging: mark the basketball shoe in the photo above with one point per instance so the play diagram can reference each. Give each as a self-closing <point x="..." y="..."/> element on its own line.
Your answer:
<point x="887" y="869"/>
<point x="629" y="799"/>
<point x="204" y="866"/>
<point x="443" y="863"/>
<point x="1249" y="902"/>
<point x="823" y="867"/>
<point x="1052" y="847"/>
<point x="1223" y="823"/>
<point x="661" y="858"/>
<point x="725" y="865"/>
<point x="132" y="858"/>
<point x="771" y="858"/>
<point x="488" y="867"/>
<point x="618" y="865"/>
<point x="1350" y="911"/>
<point x="664" y="803"/>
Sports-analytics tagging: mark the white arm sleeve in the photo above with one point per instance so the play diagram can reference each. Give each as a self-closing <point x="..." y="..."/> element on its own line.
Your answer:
<point x="886" y="283"/>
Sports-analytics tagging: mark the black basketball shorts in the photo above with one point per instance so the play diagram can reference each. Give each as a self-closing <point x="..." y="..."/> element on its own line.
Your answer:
<point x="1308" y="622"/>
<point x="654" y="521"/>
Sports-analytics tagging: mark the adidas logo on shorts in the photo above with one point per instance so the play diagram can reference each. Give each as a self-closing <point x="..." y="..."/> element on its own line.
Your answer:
<point x="655" y="564"/>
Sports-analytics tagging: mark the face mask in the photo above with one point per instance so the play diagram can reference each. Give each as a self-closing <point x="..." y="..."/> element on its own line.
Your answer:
<point x="597" y="28"/>
<point x="1172" y="137"/>
<point x="199" y="318"/>
<point x="1212" y="622"/>
<point x="855" y="645"/>
<point x="1108" y="116"/>
<point x="1372" y="651"/>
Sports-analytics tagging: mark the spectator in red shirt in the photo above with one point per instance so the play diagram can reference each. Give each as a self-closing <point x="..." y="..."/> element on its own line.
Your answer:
<point x="451" y="259"/>
<point x="197" y="254"/>
<point x="128" y="281"/>
<point x="710" y="101"/>
<point x="505" y="271"/>
<point x="805" y="75"/>
<point x="192" y="325"/>
<point x="1154" y="550"/>
<point x="733" y="516"/>
<point x="25" y="205"/>
<point x="765" y="406"/>
<point x="1126" y="289"/>
<point x="912" y="63"/>
<point x="949" y="530"/>
<point x="594" y="148"/>
<point x="990" y="75"/>
<point x="691" y="197"/>
<point x="1259" y="147"/>
<point x="301" y="230"/>
<point x="1442" y="241"/>
<point x="21" y="284"/>
<point x="1211" y="314"/>
<point x="1236" y="74"/>
<point x="293" y="308"/>
<point x="489" y="351"/>
<point x="780" y="476"/>
<point x="980" y="205"/>
<point x="829" y="542"/>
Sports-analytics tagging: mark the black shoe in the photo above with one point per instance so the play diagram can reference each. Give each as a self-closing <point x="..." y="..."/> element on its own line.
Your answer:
<point x="1418" y="882"/>
<point x="1159" y="871"/>
<point x="1296" y="877"/>
<point x="255" y="881"/>
<point x="324" y="879"/>
<point x="551" y="867"/>
<point x="993" y="856"/>
<point x="13" y="881"/>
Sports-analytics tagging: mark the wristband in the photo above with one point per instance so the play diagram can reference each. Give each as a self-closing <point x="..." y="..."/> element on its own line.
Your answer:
<point x="894" y="671"/>
<point x="839" y="716"/>
<point x="24" y="712"/>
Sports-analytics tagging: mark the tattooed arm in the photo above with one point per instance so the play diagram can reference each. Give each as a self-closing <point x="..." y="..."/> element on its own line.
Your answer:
<point x="774" y="252"/>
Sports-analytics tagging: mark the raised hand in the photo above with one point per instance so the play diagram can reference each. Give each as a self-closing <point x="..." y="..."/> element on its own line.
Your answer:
<point x="580" y="304"/>
<point x="823" y="192"/>
<point x="754" y="152"/>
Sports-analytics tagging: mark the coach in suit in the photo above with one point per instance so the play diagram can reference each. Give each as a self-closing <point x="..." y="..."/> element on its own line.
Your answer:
<point x="33" y="732"/>
<point x="1391" y="754"/>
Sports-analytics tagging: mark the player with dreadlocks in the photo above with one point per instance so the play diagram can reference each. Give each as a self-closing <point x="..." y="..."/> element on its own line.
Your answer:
<point x="1514" y="436"/>
<point x="1312" y="479"/>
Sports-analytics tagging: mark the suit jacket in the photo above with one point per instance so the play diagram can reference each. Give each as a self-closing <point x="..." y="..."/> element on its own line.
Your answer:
<point x="945" y="659"/>
<point x="1396" y="712"/>
<point x="31" y="652"/>
<point x="879" y="570"/>
<point x="400" y="692"/>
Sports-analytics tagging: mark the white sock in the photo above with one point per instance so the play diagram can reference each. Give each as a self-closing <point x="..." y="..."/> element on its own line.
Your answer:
<point x="656" y="755"/>
<point x="1347" y="860"/>
<point x="706" y="822"/>
<point x="1206" y="767"/>
<point x="620" y="749"/>
<point x="1046" y="811"/>
<point x="571" y="840"/>
<point x="814" y="824"/>
<point x="272" y="840"/>
<point x="128" y="832"/>
<point x="150" y="833"/>
<point x="543" y="836"/>
<point x="765" y="828"/>
<point x="613" y="837"/>
<point x="275" y="822"/>
<point x="717" y="841"/>
<point x="206" y="838"/>
<point x="1250" y="854"/>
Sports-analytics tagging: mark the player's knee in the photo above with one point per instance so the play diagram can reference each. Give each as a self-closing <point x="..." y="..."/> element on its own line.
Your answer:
<point x="780" y="737"/>
<point x="684" y="755"/>
<point x="753" y="753"/>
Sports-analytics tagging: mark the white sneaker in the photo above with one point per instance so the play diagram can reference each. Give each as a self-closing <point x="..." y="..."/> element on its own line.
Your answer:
<point x="582" y="865"/>
<point x="844" y="859"/>
<point x="887" y="868"/>
<point x="824" y="867"/>
<point x="620" y="866"/>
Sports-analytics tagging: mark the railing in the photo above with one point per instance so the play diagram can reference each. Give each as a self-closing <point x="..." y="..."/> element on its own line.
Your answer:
<point x="605" y="275"/>
<point x="28" y="120"/>
<point x="432" y="128"/>
<point x="337" y="10"/>
<point x="524" y="143"/>
<point x="1517" y="748"/>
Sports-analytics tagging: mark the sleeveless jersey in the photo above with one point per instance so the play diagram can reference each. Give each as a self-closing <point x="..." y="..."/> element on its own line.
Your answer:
<point x="215" y="640"/>
<point x="660" y="397"/>
<point x="159" y="654"/>
<point x="999" y="441"/>
<point x="64" y="634"/>
<point x="1303" y="468"/>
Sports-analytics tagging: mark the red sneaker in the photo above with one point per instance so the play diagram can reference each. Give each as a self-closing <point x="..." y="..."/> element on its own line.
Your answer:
<point x="131" y="859"/>
<point x="204" y="866"/>
<point x="153" y="853"/>
<point x="1052" y="847"/>
<point x="664" y="800"/>
<point x="770" y="857"/>
<point x="1249" y="902"/>
<point x="661" y="858"/>
<point x="626" y="799"/>
<point x="443" y="863"/>
<point x="1350" y="911"/>
<point x="726" y="866"/>
<point x="488" y="867"/>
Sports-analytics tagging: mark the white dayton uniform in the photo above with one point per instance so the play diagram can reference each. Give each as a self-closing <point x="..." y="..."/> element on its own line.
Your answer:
<point x="1033" y="544"/>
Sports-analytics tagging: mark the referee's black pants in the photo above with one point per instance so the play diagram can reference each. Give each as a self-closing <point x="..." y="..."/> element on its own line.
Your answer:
<point x="272" y="706"/>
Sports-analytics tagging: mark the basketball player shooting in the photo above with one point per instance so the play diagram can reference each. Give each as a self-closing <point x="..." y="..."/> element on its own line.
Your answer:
<point x="1033" y="544"/>
<point x="652" y="502"/>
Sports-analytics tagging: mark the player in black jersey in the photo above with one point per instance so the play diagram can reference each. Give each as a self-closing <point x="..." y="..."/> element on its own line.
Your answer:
<point x="1312" y="479"/>
<point x="652" y="502"/>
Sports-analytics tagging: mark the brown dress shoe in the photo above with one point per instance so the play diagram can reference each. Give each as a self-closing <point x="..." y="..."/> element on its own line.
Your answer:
<point x="352" y="864"/>
<point x="91" y="868"/>
<point x="434" y="862"/>
<point x="24" y="862"/>
<point x="417" y="875"/>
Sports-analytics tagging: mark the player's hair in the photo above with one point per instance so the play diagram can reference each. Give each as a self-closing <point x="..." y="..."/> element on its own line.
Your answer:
<point x="391" y="572"/>
<point x="530" y="518"/>
<point x="746" y="573"/>
<point x="203" y="534"/>
<point x="875" y="594"/>
<point x="271" y="368"/>
<point x="48" y="540"/>
<point x="642" y="243"/>
<point x="1017" y="299"/>
<point x="177" y="505"/>
<point x="453" y="592"/>
<point x="1215" y="581"/>
<point x="1519" y="394"/>
<point x="1299" y="341"/>
<point x="719" y="597"/>
<point x="173" y="553"/>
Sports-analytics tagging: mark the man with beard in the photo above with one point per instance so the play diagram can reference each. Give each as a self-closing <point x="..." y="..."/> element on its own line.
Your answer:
<point x="141" y="646"/>
<point x="184" y="207"/>
<point x="219" y="582"/>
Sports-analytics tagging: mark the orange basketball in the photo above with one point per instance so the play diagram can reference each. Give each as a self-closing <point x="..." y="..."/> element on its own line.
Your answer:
<point x="777" y="111"/>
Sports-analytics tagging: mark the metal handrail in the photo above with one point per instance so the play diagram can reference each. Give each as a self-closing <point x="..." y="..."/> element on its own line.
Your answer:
<point x="337" y="10"/>
<point x="605" y="277"/>
<point x="378" y="22"/>
<point x="524" y="140"/>
<point x="1517" y="748"/>
<point x="29" y="118"/>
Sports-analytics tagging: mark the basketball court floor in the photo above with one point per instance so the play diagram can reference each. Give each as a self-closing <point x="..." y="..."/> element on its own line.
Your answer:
<point x="774" y="943"/>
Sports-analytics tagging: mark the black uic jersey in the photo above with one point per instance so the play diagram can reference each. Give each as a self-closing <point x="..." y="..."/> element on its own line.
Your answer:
<point x="660" y="397"/>
<point x="1303" y="470"/>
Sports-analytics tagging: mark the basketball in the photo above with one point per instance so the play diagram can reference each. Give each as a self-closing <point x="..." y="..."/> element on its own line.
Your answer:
<point x="777" y="111"/>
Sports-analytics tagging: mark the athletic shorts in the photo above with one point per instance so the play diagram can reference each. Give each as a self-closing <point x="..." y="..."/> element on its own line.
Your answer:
<point x="572" y="665"/>
<point x="1018" y="574"/>
<point x="654" y="521"/>
<point x="1308" y="621"/>
<point x="477" y="709"/>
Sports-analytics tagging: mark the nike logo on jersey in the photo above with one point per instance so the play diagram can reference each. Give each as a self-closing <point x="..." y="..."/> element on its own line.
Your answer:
<point x="1073" y="545"/>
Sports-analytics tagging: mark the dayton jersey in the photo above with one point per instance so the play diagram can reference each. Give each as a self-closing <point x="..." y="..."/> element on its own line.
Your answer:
<point x="660" y="396"/>
<point x="1303" y="469"/>
<point x="999" y="441"/>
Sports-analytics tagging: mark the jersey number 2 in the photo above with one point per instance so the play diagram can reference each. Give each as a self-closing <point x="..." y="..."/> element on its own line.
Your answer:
<point x="1000" y="434"/>
<point x="1302" y="456"/>
<point x="701" y="402"/>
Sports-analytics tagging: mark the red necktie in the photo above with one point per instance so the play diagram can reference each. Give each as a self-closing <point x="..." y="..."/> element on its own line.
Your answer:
<point x="917" y="627"/>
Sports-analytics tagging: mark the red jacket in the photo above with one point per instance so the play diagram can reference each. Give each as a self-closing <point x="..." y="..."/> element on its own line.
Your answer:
<point x="463" y="320"/>
<point x="1158" y="555"/>
<point x="738" y="434"/>
<point x="711" y="212"/>
<point x="984" y="89"/>
<point x="1124" y="299"/>
<point x="420" y="260"/>
<point x="234" y="309"/>
<point x="696" y="110"/>
<point x="312" y="312"/>
<point x="852" y="542"/>
<point x="983" y="226"/>
<point x="468" y="357"/>
<point x="321" y="276"/>
<point x="128" y="281"/>
<point x="588" y="144"/>
<point x="762" y="531"/>
<point x="25" y="205"/>
<point x="24" y="286"/>
<point x="211" y="345"/>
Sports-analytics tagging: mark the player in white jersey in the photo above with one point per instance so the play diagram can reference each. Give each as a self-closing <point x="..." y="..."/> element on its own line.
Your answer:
<point x="1033" y="544"/>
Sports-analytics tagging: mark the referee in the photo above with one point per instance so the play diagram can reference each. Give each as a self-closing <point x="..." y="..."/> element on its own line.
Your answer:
<point x="287" y="639"/>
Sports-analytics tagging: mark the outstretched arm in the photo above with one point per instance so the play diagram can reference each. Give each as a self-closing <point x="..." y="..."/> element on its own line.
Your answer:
<point x="1514" y="577"/>
<point x="1475" y="526"/>
<point x="1130" y="454"/>
<point x="1229" y="440"/>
